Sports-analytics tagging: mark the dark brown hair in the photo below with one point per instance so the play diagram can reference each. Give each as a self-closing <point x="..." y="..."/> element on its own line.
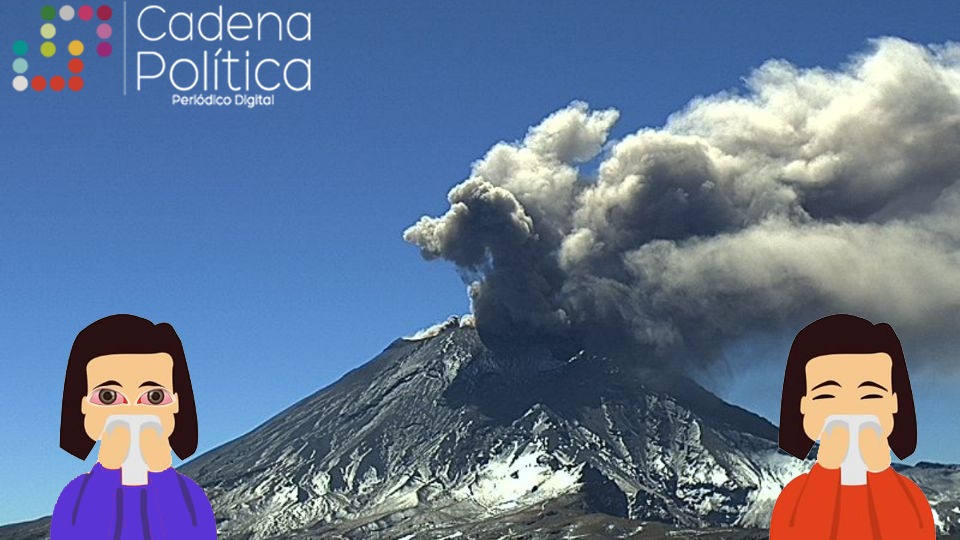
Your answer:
<point x="125" y="334"/>
<point x="844" y="334"/>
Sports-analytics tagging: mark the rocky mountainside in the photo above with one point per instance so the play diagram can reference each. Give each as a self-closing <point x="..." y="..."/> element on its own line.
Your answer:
<point x="440" y="437"/>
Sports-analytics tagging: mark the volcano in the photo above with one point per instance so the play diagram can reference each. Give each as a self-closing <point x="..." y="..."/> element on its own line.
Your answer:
<point x="442" y="437"/>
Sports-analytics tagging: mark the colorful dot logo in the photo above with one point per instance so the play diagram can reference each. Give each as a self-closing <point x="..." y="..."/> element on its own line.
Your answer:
<point x="47" y="48"/>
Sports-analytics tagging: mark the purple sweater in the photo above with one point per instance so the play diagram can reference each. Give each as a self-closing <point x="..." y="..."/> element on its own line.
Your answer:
<point x="95" y="505"/>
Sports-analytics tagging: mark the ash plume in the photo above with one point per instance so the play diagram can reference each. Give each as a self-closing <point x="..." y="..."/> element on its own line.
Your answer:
<point x="813" y="191"/>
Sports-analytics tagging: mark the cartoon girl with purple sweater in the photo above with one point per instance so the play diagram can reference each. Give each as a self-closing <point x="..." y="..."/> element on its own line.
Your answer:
<point x="127" y="385"/>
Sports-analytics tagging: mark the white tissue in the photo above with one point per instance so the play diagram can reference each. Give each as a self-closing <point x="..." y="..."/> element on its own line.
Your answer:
<point x="853" y="470"/>
<point x="134" y="470"/>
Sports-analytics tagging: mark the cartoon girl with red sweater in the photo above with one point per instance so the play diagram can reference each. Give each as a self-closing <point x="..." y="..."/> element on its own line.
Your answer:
<point x="845" y="365"/>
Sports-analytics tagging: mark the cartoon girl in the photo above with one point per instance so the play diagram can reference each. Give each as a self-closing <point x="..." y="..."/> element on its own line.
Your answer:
<point x="126" y="365"/>
<point x="845" y="365"/>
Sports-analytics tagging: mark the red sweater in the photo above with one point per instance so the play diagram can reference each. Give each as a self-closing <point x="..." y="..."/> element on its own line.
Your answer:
<point x="815" y="506"/>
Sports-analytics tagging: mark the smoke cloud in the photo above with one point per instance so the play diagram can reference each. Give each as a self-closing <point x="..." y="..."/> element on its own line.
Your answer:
<point x="812" y="192"/>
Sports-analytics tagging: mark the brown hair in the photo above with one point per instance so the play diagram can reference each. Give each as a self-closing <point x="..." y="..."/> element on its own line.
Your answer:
<point x="844" y="334"/>
<point x="125" y="334"/>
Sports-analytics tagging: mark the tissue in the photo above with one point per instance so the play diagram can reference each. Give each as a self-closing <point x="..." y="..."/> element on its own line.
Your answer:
<point x="134" y="470"/>
<point x="853" y="470"/>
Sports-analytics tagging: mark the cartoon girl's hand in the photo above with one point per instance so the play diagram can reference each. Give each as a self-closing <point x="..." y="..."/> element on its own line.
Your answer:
<point x="156" y="450"/>
<point x="874" y="449"/>
<point x="833" y="447"/>
<point x="113" y="447"/>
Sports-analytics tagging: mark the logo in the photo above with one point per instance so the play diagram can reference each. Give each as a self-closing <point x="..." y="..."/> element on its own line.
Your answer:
<point x="65" y="63"/>
<point x="216" y="56"/>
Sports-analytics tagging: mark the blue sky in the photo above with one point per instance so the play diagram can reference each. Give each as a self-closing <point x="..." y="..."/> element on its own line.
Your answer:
<point x="271" y="238"/>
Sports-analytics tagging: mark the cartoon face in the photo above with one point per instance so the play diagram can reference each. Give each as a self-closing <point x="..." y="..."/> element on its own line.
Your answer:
<point x="848" y="384"/>
<point x="129" y="384"/>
